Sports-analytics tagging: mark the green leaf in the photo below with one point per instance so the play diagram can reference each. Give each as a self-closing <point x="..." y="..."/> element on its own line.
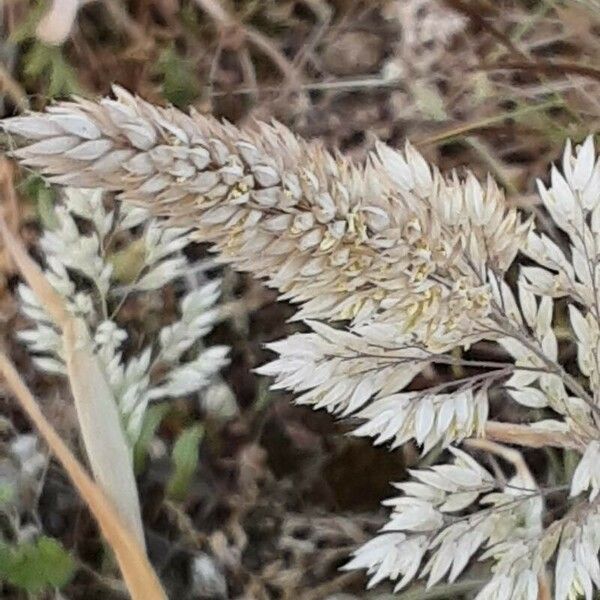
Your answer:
<point x="35" y="566"/>
<point x="63" y="79"/>
<point x="152" y="419"/>
<point x="179" y="82"/>
<point x="25" y="30"/>
<point x="128" y="262"/>
<point x="35" y="62"/>
<point x="44" y="198"/>
<point x="8" y="493"/>
<point x="185" y="460"/>
<point x="48" y="64"/>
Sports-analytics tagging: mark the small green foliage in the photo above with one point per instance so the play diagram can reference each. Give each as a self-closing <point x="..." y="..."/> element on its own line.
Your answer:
<point x="152" y="419"/>
<point x="128" y="262"/>
<point x="429" y="101"/>
<point x="185" y="460"/>
<point x="7" y="493"/>
<point x="44" y="198"/>
<point x="264" y="397"/>
<point x="48" y="64"/>
<point x="179" y="82"/>
<point x="191" y="19"/>
<point x="35" y="566"/>
<point x="42" y="63"/>
<point x="25" y="30"/>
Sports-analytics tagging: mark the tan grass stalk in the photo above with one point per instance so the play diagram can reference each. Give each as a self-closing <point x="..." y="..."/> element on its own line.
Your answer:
<point x="140" y="578"/>
<point x="56" y="25"/>
<point x="99" y="421"/>
<point x="525" y="435"/>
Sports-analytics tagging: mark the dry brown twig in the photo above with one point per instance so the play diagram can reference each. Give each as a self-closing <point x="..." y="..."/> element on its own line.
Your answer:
<point x="524" y="435"/>
<point x="232" y="30"/>
<point x="477" y="14"/>
<point x="10" y="208"/>
<point x="510" y="455"/>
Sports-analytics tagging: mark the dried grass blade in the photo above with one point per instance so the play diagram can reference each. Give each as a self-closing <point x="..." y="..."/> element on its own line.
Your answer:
<point x="99" y="421"/>
<point x="139" y="576"/>
<point x="109" y="455"/>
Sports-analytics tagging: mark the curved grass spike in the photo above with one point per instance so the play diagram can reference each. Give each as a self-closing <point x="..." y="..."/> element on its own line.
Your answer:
<point x="414" y="261"/>
<point x="345" y="241"/>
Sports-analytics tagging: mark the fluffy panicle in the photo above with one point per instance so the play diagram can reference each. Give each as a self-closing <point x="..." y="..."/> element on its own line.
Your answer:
<point x="344" y="371"/>
<point x="450" y="514"/>
<point x="83" y="268"/>
<point x="391" y="238"/>
<point x="415" y="262"/>
<point x="434" y="522"/>
<point x="426" y="522"/>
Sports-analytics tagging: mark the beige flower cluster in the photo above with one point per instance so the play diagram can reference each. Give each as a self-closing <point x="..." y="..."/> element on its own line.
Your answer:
<point x="78" y="252"/>
<point x="415" y="262"/>
<point x="391" y="238"/>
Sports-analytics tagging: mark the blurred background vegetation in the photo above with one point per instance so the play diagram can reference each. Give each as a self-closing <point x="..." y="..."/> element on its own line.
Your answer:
<point x="244" y="495"/>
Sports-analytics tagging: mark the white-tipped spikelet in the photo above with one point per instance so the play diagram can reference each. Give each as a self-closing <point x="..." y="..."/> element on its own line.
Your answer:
<point x="80" y="265"/>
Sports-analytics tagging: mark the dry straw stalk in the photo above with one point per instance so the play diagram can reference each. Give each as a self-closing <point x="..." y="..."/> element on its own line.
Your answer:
<point x="113" y="500"/>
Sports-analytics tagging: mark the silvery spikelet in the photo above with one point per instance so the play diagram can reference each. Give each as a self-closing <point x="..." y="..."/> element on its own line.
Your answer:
<point x="414" y="262"/>
<point x="345" y="241"/>
<point x="79" y="268"/>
